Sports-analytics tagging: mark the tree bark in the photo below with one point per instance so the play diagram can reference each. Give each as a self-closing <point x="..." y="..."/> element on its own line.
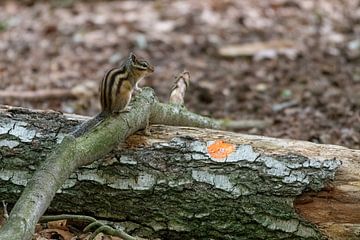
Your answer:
<point x="183" y="183"/>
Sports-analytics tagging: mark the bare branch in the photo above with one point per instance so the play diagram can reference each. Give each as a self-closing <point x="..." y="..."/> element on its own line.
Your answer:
<point x="177" y="94"/>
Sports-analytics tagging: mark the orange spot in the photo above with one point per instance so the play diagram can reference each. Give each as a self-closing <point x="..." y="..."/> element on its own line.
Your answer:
<point x="220" y="149"/>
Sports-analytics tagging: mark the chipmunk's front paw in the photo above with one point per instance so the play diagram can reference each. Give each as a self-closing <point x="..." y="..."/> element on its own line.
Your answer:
<point x="137" y="90"/>
<point x="126" y="109"/>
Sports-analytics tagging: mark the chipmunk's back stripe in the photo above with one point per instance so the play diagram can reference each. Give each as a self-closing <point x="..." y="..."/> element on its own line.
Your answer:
<point x="114" y="78"/>
<point x="103" y="89"/>
<point x="102" y="86"/>
<point x="109" y="84"/>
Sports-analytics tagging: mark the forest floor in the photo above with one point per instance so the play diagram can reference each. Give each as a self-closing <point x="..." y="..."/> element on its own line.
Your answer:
<point x="293" y="62"/>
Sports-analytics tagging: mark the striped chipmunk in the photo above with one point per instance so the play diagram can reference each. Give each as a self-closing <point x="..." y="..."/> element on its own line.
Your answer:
<point x="116" y="89"/>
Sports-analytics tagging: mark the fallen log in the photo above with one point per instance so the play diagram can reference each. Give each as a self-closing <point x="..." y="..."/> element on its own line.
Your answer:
<point x="182" y="183"/>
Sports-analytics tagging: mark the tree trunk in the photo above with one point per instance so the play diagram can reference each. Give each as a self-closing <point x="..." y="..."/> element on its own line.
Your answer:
<point x="183" y="183"/>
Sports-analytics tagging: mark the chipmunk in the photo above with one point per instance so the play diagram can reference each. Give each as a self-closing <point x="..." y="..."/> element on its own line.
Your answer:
<point x="116" y="89"/>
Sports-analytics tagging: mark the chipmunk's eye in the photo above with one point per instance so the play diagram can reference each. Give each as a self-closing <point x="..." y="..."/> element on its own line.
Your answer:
<point x="143" y="65"/>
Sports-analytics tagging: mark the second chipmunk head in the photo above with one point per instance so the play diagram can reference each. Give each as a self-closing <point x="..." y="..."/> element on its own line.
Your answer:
<point x="139" y="67"/>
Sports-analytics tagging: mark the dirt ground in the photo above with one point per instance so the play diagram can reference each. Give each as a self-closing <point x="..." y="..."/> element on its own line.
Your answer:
<point x="301" y="69"/>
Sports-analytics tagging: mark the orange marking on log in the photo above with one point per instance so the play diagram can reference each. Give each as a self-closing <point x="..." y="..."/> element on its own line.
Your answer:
<point x="220" y="149"/>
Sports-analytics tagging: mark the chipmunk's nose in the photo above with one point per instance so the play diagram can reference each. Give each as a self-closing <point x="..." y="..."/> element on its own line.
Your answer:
<point x="151" y="68"/>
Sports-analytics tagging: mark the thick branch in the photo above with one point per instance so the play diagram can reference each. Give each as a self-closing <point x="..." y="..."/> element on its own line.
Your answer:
<point x="178" y="116"/>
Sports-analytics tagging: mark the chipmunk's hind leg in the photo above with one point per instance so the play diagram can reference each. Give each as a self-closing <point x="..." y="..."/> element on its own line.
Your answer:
<point x="123" y="97"/>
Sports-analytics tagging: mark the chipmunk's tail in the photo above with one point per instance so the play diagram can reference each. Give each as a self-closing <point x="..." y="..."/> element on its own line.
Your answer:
<point x="89" y="124"/>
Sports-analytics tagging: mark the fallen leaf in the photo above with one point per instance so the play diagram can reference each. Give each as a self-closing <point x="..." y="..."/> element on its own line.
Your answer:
<point x="60" y="224"/>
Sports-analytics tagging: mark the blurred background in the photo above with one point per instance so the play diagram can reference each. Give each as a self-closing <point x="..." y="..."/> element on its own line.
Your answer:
<point x="294" y="62"/>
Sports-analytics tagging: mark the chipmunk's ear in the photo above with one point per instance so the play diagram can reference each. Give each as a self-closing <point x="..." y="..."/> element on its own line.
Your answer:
<point x="132" y="57"/>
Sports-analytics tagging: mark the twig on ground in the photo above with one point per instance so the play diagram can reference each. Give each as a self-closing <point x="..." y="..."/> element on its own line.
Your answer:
<point x="39" y="95"/>
<point x="99" y="226"/>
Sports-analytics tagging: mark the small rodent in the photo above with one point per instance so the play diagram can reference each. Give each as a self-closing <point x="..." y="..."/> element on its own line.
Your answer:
<point x="116" y="89"/>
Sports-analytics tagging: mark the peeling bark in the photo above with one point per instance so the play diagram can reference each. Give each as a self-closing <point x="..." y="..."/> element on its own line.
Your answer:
<point x="170" y="185"/>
